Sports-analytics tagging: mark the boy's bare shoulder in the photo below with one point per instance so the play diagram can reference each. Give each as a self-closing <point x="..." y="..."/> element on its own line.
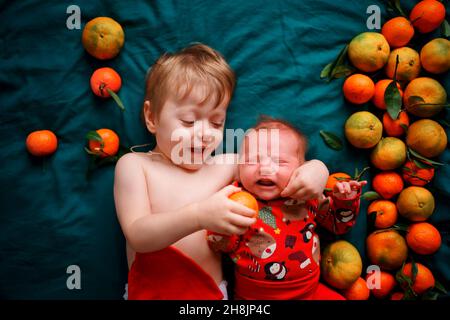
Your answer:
<point x="131" y="161"/>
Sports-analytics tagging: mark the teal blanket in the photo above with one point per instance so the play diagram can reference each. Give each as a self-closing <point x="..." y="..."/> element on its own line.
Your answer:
<point x="53" y="216"/>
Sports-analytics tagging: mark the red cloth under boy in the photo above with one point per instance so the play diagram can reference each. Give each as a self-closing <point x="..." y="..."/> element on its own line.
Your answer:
<point x="169" y="274"/>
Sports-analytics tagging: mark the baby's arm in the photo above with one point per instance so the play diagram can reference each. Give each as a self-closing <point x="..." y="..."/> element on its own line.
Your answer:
<point x="307" y="181"/>
<point x="146" y="231"/>
<point x="338" y="212"/>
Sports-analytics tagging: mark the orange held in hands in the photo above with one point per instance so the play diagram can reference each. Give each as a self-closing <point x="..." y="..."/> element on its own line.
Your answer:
<point x="103" y="79"/>
<point x="423" y="238"/>
<point x="103" y="38"/>
<point x="358" y="88"/>
<point x="398" y="32"/>
<point x="385" y="211"/>
<point x="41" y="143"/>
<point x="427" y="15"/>
<point x="108" y="146"/>
<point x="245" y="198"/>
<point x="387" y="184"/>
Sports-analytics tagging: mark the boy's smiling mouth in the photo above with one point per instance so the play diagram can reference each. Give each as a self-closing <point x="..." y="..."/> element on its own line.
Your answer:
<point x="200" y="150"/>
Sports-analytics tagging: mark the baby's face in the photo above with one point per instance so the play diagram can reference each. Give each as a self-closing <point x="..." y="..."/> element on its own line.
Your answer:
<point x="268" y="159"/>
<point x="188" y="131"/>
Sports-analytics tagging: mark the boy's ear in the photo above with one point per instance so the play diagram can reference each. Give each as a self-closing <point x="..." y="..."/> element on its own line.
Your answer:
<point x="149" y="117"/>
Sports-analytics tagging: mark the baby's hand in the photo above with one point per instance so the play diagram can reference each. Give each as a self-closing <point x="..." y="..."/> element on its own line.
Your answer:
<point x="347" y="190"/>
<point x="221" y="215"/>
<point x="307" y="181"/>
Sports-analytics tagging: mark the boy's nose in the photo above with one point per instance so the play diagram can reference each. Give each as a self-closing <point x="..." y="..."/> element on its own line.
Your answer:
<point x="204" y="132"/>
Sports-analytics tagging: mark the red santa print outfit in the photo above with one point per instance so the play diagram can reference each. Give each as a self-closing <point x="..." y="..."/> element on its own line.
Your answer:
<point x="279" y="256"/>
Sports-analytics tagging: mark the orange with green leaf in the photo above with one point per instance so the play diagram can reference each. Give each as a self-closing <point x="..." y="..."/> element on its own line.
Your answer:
<point x="417" y="173"/>
<point x="385" y="212"/>
<point x="105" y="83"/>
<point x="103" y="143"/>
<point x="424" y="97"/>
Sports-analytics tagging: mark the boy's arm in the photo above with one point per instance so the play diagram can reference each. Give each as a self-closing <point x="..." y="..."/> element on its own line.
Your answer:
<point x="146" y="231"/>
<point x="338" y="212"/>
<point x="307" y="181"/>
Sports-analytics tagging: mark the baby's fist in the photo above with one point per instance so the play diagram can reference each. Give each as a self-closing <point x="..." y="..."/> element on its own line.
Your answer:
<point x="347" y="189"/>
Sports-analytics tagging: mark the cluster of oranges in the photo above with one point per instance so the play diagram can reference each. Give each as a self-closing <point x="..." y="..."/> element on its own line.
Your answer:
<point x="103" y="38"/>
<point x="403" y="142"/>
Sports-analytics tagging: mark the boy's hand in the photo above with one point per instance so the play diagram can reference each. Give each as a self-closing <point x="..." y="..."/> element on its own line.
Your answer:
<point x="307" y="181"/>
<point x="347" y="190"/>
<point x="222" y="215"/>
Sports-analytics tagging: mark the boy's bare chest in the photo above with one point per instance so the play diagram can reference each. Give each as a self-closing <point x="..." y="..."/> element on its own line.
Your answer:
<point x="170" y="188"/>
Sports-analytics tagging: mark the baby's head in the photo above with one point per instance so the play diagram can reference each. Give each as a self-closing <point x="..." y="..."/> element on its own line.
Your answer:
<point x="270" y="153"/>
<point x="186" y="99"/>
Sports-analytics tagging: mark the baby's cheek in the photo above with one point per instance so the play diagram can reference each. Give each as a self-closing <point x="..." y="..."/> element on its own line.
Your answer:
<point x="246" y="174"/>
<point x="284" y="175"/>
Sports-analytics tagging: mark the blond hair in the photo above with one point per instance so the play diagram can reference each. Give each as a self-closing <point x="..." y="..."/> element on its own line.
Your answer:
<point x="176" y="74"/>
<point x="267" y="122"/>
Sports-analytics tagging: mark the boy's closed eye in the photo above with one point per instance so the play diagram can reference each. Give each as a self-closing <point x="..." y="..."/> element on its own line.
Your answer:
<point x="217" y="124"/>
<point x="187" y="122"/>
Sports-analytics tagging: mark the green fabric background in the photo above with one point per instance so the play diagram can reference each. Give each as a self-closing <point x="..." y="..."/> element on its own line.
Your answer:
<point x="52" y="216"/>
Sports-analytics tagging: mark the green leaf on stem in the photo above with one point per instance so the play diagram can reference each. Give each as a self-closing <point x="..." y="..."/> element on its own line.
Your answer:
<point x="438" y="286"/>
<point x="358" y="176"/>
<point x="337" y="68"/>
<point x="415" y="101"/>
<point x="370" y="195"/>
<point x="116" y="99"/>
<point x="326" y="71"/>
<point x="341" y="71"/>
<point x="422" y="165"/>
<point x="404" y="126"/>
<point x="331" y="140"/>
<point x="392" y="96"/>
<point x="445" y="29"/>
<point x="423" y="159"/>
<point x="93" y="135"/>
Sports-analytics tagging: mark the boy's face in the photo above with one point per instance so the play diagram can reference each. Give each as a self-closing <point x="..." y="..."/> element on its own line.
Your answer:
<point x="270" y="158"/>
<point x="188" y="131"/>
